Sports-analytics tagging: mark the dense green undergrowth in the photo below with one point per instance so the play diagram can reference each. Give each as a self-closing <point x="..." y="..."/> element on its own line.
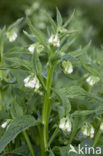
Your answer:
<point x="51" y="97"/>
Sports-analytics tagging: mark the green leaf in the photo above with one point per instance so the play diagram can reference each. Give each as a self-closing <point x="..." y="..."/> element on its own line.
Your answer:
<point x="74" y="91"/>
<point x="59" y="18"/>
<point x="80" y="51"/>
<point x="29" y="36"/>
<point x="69" y="20"/>
<point x="63" y="99"/>
<point x="22" y="63"/>
<point x="23" y="150"/>
<point x="83" y="113"/>
<point x="37" y="33"/>
<point x="36" y="63"/>
<point x="2" y="33"/>
<point x="16" y="127"/>
<point x="37" y="66"/>
<point x="15" y="24"/>
<point x="4" y="115"/>
<point x="16" y="110"/>
<point x="52" y="22"/>
<point x="92" y="69"/>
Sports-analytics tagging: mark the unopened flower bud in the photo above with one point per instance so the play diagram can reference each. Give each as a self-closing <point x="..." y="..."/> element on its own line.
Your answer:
<point x="11" y="35"/>
<point x="5" y="124"/>
<point x="67" y="67"/>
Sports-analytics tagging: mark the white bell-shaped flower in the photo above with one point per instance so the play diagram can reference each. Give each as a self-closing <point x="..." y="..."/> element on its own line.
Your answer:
<point x="32" y="82"/>
<point x="65" y="124"/>
<point x="91" y="80"/>
<point x="31" y="48"/>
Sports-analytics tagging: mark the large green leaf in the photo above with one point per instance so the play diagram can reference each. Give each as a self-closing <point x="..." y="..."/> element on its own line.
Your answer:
<point x="17" y="126"/>
<point x="63" y="100"/>
<point x="74" y="91"/>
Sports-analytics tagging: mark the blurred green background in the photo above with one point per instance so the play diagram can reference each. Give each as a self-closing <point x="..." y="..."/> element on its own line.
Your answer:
<point x="92" y="12"/>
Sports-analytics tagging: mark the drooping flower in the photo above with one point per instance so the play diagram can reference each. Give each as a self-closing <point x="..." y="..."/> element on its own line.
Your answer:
<point x="12" y="35"/>
<point x="36" y="46"/>
<point x="31" y="48"/>
<point x="54" y="40"/>
<point x="67" y="67"/>
<point x="65" y="124"/>
<point x="91" y="80"/>
<point x="88" y="130"/>
<point x="32" y="82"/>
<point x="62" y="123"/>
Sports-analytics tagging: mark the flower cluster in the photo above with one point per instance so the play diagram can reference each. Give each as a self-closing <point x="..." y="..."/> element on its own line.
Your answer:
<point x="32" y="82"/>
<point x="67" y="67"/>
<point x="88" y="130"/>
<point x="91" y="80"/>
<point x="65" y="124"/>
<point x="12" y="35"/>
<point x="54" y="40"/>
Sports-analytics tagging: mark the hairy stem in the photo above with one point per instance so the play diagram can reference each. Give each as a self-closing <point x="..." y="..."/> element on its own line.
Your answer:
<point x="46" y="106"/>
<point x="29" y="143"/>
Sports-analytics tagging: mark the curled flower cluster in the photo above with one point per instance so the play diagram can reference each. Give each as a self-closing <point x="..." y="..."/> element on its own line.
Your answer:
<point x="54" y="40"/>
<point x="101" y="126"/>
<point x="67" y="67"/>
<point x="88" y="130"/>
<point x="32" y="82"/>
<point x="65" y="124"/>
<point x="12" y="35"/>
<point x="91" y="80"/>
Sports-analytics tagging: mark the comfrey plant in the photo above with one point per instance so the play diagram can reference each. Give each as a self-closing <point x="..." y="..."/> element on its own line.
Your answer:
<point x="50" y="96"/>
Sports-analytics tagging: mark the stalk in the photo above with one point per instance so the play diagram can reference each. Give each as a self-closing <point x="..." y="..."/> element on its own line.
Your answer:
<point x="29" y="143"/>
<point x="53" y="136"/>
<point x="46" y="107"/>
<point x="97" y="138"/>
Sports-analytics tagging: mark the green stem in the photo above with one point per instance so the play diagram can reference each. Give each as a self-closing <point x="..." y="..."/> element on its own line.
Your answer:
<point x="29" y="143"/>
<point x="46" y="105"/>
<point x="46" y="108"/>
<point x="53" y="136"/>
<point x="97" y="137"/>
